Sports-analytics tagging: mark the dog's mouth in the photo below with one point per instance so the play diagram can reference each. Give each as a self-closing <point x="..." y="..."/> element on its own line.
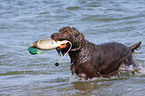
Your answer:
<point x="63" y="49"/>
<point x="62" y="46"/>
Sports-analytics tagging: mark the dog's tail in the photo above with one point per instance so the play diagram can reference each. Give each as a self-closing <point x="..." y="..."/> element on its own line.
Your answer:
<point x="135" y="47"/>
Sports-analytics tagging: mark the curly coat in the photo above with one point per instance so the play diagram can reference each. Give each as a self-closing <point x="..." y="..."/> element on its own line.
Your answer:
<point x="89" y="60"/>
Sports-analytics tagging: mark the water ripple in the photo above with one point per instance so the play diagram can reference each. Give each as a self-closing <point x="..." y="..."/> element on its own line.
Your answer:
<point x="25" y="21"/>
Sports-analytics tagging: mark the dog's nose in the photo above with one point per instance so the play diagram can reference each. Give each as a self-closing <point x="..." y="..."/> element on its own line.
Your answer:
<point x="52" y="36"/>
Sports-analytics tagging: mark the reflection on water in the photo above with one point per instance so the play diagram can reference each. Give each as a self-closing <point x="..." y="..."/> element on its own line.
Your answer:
<point x="23" y="22"/>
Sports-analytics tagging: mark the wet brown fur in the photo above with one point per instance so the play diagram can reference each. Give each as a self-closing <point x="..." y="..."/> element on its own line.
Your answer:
<point x="89" y="60"/>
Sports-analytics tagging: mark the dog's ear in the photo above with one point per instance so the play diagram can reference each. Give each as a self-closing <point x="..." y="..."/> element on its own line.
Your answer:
<point x="80" y="36"/>
<point x="77" y="33"/>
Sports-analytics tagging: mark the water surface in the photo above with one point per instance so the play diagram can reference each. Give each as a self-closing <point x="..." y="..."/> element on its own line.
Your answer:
<point x="101" y="21"/>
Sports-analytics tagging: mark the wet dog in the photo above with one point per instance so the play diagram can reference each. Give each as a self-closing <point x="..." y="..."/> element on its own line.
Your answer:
<point x="89" y="60"/>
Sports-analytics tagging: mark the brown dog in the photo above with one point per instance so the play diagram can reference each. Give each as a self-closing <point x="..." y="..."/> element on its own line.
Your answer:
<point x="90" y="60"/>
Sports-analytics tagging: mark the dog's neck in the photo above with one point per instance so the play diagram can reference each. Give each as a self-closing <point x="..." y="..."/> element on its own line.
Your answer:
<point x="76" y="49"/>
<point x="81" y="53"/>
<point x="79" y="45"/>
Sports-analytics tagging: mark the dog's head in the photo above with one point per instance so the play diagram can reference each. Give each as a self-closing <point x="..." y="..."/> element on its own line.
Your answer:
<point x="68" y="33"/>
<point x="71" y="34"/>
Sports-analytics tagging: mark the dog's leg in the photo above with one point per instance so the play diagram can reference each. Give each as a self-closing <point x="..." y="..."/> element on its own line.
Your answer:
<point x="83" y="75"/>
<point x="129" y="61"/>
<point x="136" y="69"/>
<point x="110" y="74"/>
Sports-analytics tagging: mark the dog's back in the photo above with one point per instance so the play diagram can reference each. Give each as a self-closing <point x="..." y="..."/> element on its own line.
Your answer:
<point x="90" y="60"/>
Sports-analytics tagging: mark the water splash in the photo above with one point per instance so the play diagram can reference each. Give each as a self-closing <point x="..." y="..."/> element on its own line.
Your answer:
<point x="142" y="69"/>
<point x="123" y="73"/>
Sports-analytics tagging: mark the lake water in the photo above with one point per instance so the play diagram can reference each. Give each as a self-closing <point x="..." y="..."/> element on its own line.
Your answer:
<point x="25" y="21"/>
